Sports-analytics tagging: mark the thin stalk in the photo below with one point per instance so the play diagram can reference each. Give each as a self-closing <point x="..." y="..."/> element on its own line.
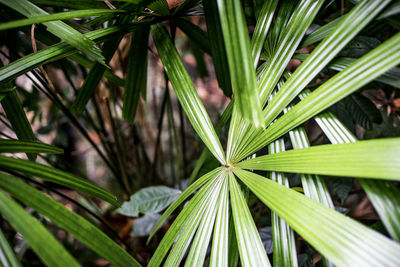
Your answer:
<point x="120" y="158"/>
<point x="159" y="126"/>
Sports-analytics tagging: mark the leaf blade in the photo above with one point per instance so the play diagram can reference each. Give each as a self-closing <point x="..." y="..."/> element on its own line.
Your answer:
<point x="369" y="159"/>
<point x="342" y="240"/>
<point x="56" y="176"/>
<point x="185" y="91"/>
<point x="68" y="220"/>
<point x="35" y="234"/>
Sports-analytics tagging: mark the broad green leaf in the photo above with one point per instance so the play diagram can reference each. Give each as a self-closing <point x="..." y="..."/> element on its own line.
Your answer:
<point x="7" y="254"/>
<point x="183" y="196"/>
<point x="82" y="229"/>
<point x="185" y="91"/>
<point x="151" y="199"/>
<point x="57" y="16"/>
<point x="353" y="22"/>
<point x="19" y="122"/>
<point x="58" y="28"/>
<point x="342" y="240"/>
<point x="251" y="250"/>
<point x="219" y="249"/>
<point x="284" y="246"/>
<point x="136" y="75"/>
<point x="241" y="69"/>
<point x="193" y="209"/>
<point x="16" y="146"/>
<point x="196" y="34"/>
<point x="203" y="221"/>
<point x="217" y="46"/>
<point x="362" y="71"/>
<point x="143" y="225"/>
<point x="56" y="176"/>
<point x="379" y="158"/>
<point x="35" y="234"/>
<point x="264" y="20"/>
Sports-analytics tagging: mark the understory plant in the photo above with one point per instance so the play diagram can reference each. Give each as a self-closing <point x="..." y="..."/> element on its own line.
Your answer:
<point x="280" y="74"/>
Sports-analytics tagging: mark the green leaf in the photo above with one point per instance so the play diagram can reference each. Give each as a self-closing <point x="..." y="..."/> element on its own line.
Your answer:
<point x="57" y="16"/>
<point x="384" y="196"/>
<point x="56" y="176"/>
<point x="71" y="4"/>
<point x="15" y="146"/>
<point x="377" y="191"/>
<point x="182" y="197"/>
<point x="82" y="229"/>
<point x="390" y="77"/>
<point x="353" y="22"/>
<point x="250" y="246"/>
<point x="320" y="33"/>
<point x="35" y="234"/>
<point x="264" y="20"/>
<point x="219" y="249"/>
<point x="313" y="185"/>
<point x="96" y="73"/>
<point x="188" y="217"/>
<point x="342" y="240"/>
<point x="136" y="75"/>
<point x="7" y="255"/>
<point x="286" y="45"/>
<point x="19" y="122"/>
<point x="151" y="199"/>
<point x="201" y="241"/>
<point x="284" y="246"/>
<point x="241" y="69"/>
<point x="58" y="28"/>
<point x="378" y="158"/>
<point x="362" y="71"/>
<point x="61" y="50"/>
<point x="194" y="33"/>
<point x="185" y="91"/>
<point x="85" y="62"/>
<point x="217" y="46"/>
<point x="291" y="36"/>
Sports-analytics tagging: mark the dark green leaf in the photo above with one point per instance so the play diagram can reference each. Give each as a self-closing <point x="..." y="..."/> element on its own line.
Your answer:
<point x="56" y="176"/>
<point x="18" y="120"/>
<point x="15" y="146"/>
<point x="217" y="46"/>
<point x="136" y="75"/>
<point x="57" y="16"/>
<point x="35" y="234"/>
<point x="58" y="28"/>
<point x="67" y="220"/>
<point x="185" y="91"/>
